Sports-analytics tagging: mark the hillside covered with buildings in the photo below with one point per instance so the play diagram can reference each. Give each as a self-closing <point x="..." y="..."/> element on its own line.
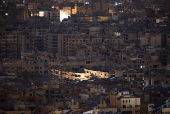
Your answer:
<point x="84" y="57"/>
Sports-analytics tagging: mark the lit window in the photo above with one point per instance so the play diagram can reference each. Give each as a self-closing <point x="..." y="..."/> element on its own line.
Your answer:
<point x="86" y="2"/>
<point x="41" y="13"/>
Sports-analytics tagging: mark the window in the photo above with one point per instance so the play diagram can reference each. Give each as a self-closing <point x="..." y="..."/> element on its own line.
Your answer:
<point x="124" y="106"/>
<point x="87" y="62"/>
<point x="66" y="91"/>
<point x="136" y="111"/>
<point x="112" y="75"/>
<point x="86" y="2"/>
<point x="129" y="106"/>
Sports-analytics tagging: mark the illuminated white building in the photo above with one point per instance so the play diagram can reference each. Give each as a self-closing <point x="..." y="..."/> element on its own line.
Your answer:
<point x="65" y="13"/>
<point x="41" y="13"/>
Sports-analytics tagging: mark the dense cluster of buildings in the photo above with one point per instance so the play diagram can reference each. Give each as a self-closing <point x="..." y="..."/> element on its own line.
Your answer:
<point x="84" y="56"/>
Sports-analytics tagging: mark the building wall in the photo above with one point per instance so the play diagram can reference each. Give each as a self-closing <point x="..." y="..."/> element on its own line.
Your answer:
<point x="56" y="112"/>
<point x="26" y="42"/>
<point x="18" y="112"/>
<point x="156" y="40"/>
<point x="126" y="103"/>
<point x="33" y="5"/>
<point x="53" y="15"/>
<point x="18" y="67"/>
<point x="168" y="40"/>
<point x="8" y="44"/>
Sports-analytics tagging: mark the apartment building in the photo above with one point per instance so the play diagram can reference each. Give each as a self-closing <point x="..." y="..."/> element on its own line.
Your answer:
<point x="100" y="6"/>
<point x="18" y="67"/>
<point x="164" y="57"/>
<point x="26" y="41"/>
<point x="9" y="47"/>
<point x="125" y="102"/>
<point x="59" y="93"/>
<point x="64" y="44"/>
<point x="40" y="31"/>
<point x="150" y="39"/>
<point x="97" y="71"/>
<point x="33" y="5"/>
<point x="168" y="40"/>
<point x="52" y="15"/>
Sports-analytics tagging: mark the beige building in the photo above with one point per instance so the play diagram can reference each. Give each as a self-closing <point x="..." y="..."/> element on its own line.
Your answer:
<point x="100" y="6"/>
<point x="125" y="102"/>
<point x="150" y="39"/>
<point x="100" y="74"/>
<point x="98" y="89"/>
<point x="33" y="5"/>
<point x="18" y="67"/>
<point x="73" y="104"/>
